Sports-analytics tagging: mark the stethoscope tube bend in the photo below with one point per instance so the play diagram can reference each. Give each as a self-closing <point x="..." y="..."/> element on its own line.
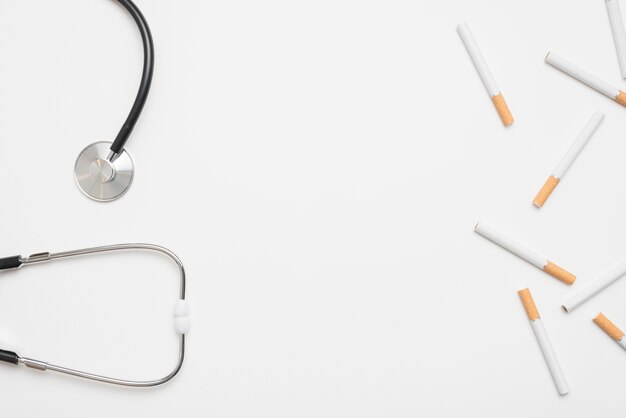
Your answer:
<point x="181" y="313"/>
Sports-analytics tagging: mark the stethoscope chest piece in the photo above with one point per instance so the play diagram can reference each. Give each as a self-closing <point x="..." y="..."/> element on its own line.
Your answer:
<point x="102" y="175"/>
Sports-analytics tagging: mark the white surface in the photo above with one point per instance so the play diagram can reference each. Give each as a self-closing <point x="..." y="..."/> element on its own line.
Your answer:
<point x="477" y="58"/>
<point x="578" y="145"/>
<point x="622" y="343"/>
<point x="321" y="190"/>
<point x="550" y="357"/>
<point x="510" y="245"/>
<point x="619" y="34"/>
<point x="581" y="75"/>
<point x="595" y="287"/>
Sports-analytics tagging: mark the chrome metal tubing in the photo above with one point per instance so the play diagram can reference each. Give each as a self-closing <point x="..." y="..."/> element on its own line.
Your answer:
<point x="43" y="366"/>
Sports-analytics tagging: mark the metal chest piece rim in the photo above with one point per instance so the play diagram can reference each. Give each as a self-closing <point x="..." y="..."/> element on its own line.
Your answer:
<point x="102" y="175"/>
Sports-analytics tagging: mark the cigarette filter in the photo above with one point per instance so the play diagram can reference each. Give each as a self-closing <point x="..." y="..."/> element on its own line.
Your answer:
<point x="544" y="343"/>
<point x="586" y="78"/>
<point x="594" y="288"/>
<point x="619" y="35"/>
<point x="524" y="253"/>
<point x="485" y="74"/>
<point x="611" y="329"/>
<point x="568" y="159"/>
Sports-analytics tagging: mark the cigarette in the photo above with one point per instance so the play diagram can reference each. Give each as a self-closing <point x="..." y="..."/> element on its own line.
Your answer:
<point x="485" y="74"/>
<point x="594" y="288"/>
<point x="619" y="35"/>
<point x="568" y="159"/>
<point x="524" y="253"/>
<point x="544" y="343"/>
<point x="611" y="329"/>
<point x="586" y="78"/>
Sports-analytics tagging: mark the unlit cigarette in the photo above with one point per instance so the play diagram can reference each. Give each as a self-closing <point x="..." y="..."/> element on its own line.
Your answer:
<point x="526" y="254"/>
<point x="484" y="73"/>
<point x="594" y="288"/>
<point x="619" y="35"/>
<point x="544" y="342"/>
<point x="568" y="159"/>
<point x="611" y="329"/>
<point x="586" y="78"/>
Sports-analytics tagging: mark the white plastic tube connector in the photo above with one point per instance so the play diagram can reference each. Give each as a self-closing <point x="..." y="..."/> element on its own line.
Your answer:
<point x="594" y="288"/>
<point x="619" y="35"/>
<point x="478" y="59"/>
<point x="578" y="145"/>
<point x="510" y="245"/>
<point x="182" y="322"/>
<point x="582" y="75"/>
<point x="550" y="356"/>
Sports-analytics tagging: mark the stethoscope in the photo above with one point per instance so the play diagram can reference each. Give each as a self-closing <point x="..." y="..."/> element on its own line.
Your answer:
<point x="104" y="170"/>
<point x="181" y="313"/>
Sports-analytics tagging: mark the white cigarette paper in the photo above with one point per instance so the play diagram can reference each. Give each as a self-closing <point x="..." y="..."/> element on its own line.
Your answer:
<point x="550" y="356"/>
<point x="484" y="73"/>
<point x="544" y="342"/>
<point x="619" y="35"/>
<point x="586" y="78"/>
<point x="594" y="288"/>
<point x="508" y="244"/>
<point x="567" y="161"/>
<point x="524" y="253"/>
<point x="478" y="59"/>
<point x="578" y="145"/>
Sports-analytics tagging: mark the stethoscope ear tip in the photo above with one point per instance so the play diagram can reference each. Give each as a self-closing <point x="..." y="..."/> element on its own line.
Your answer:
<point x="101" y="174"/>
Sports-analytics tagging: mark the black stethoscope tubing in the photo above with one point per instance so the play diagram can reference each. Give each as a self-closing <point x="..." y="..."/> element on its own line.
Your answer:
<point x="146" y="78"/>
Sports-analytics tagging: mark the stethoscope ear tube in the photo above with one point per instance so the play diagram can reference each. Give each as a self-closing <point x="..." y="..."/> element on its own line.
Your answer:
<point x="181" y="313"/>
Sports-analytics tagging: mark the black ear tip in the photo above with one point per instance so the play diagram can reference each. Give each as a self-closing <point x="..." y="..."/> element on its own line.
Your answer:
<point x="9" y="357"/>
<point x="9" y="263"/>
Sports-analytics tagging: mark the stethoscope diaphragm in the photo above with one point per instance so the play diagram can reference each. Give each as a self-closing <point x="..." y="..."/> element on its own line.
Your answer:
<point x="100" y="176"/>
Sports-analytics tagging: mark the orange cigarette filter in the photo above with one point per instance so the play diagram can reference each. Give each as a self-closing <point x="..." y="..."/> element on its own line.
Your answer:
<point x="529" y="304"/>
<point x="559" y="273"/>
<point x="609" y="327"/>
<point x="545" y="191"/>
<point x="503" y="109"/>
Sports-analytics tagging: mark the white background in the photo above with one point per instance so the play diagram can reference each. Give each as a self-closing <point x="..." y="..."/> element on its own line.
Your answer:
<point x="319" y="167"/>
